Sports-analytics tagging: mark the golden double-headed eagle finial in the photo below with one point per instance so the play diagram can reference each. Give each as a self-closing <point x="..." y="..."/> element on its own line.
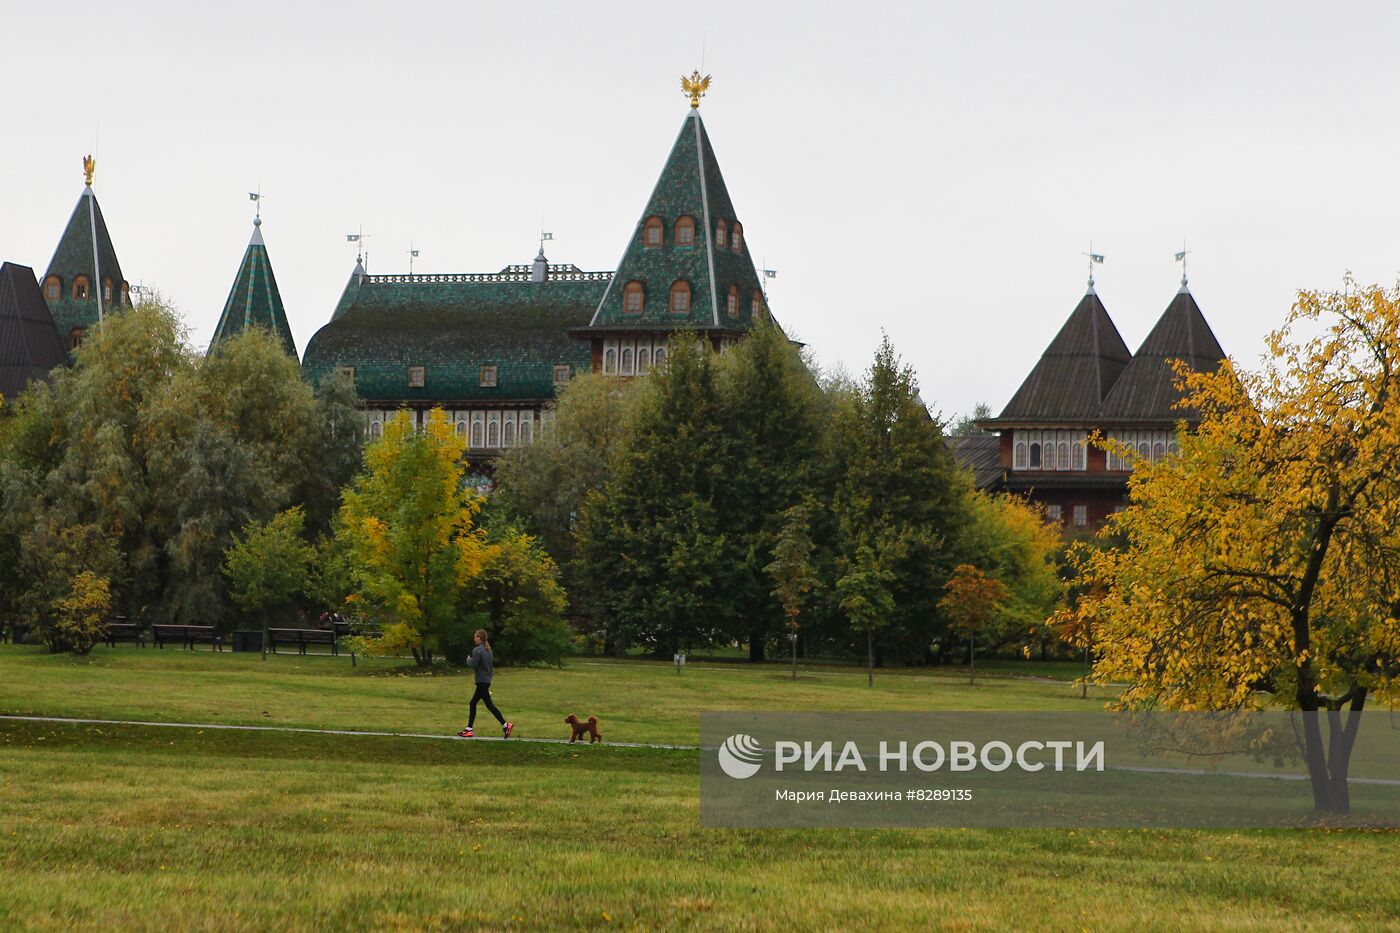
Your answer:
<point x="89" y="166"/>
<point x="695" y="87"/>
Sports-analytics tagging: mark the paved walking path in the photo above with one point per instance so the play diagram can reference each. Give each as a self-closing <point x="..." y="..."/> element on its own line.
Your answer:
<point x="400" y="735"/>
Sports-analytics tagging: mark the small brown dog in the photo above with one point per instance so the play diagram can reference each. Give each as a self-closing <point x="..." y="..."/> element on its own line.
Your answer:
<point x="581" y="728"/>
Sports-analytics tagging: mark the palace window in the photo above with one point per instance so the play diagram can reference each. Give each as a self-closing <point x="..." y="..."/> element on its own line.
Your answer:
<point x="488" y="376"/>
<point x="1077" y="463"/>
<point x="346" y="372"/>
<point x="107" y="290"/>
<point x="493" y="434"/>
<point x="476" y="433"/>
<point x="75" y="337"/>
<point x="653" y="233"/>
<point x="1035" y="457"/>
<point x="721" y="234"/>
<point x="1159" y="450"/>
<point x="1019" y="462"/>
<point x="461" y="429"/>
<point x="610" y="361"/>
<point x="643" y="361"/>
<point x="416" y="375"/>
<point x="736" y="241"/>
<point x="1081" y="516"/>
<point x="1146" y="445"/>
<point x="627" y="361"/>
<point x="527" y="429"/>
<point x="509" y="434"/>
<point x="53" y="288"/>
<point x="1058" y="450"/>
<point x="632" y="296"/>
<point x="1054" y="513"/>
<point x="680" y="298"/>
<point x="80" y="288"/>
<point x="660" y="357"/>
<point x="561" y="374"/>
<point x="376" y="429"/>
<point x="731" y="304"/>
<point x="685" y="231"/>
<point x="1062" y="459"/>
<point x="756" y="306"/>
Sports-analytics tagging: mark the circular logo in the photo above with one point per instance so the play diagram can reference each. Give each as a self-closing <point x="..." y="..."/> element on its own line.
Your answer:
<point x="740" y="756"/>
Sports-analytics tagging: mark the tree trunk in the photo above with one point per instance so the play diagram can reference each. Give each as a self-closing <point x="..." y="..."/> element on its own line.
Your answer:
<point x="1329" y="763"/>
<point x="794" y="655"/>
<point x="971" y="658"/>
<point x="869" y="658"/>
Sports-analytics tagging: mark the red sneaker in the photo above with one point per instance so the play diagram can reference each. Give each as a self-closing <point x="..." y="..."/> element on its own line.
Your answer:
<point x="508" y="728"/>
<point x="466" y="733"/>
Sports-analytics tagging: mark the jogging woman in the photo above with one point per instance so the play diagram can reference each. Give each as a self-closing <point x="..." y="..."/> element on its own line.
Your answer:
<point x="481" y="662"/>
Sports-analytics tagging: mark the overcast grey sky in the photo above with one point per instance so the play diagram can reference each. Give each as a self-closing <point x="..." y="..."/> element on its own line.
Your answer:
<point x="935" y="170"/>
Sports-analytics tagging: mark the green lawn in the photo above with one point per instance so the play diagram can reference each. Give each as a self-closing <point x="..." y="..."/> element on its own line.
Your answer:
<point x="105" y="827"/>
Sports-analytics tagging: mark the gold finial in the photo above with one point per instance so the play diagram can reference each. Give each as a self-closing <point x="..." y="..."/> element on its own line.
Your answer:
<point x="89" y="164"/>
<point x="695" y="87"/>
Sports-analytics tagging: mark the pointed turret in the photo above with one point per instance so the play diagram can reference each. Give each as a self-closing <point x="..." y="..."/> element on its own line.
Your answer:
<point x="254" y="300"/>
<point x="687" y="265"/>
<point x="1146" y="391"/>
<point x="1075" y="373"/>
<point x="29" y="342"/>
<point x="352" y="288"/>
<point x="71" y="285"/>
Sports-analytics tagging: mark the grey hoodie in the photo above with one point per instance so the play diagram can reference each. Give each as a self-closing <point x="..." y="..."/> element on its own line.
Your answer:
<point x="481" y="661"/>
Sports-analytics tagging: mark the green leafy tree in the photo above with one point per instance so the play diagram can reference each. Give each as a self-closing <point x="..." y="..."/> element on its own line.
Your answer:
<point x="517" y="598"/>
<point x="80" y="616"/>
<point x="971" y="601"/>
<point x="966" y="426"/>
<point x="791" y="570"/>
<point x="865" y="598"/>
<point x="408" y="523"/>
<point x="269" y="564"/>
<point x="1011" y="538"/>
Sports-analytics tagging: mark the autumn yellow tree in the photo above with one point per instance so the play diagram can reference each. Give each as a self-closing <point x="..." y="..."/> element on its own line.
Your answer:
<point x="408" y="525"/>
<point x="971" y="600"/>
<point x="1262" y="565"/>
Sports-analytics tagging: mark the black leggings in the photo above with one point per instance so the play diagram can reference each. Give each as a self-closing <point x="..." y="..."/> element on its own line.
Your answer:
<point x="483" y="692"/>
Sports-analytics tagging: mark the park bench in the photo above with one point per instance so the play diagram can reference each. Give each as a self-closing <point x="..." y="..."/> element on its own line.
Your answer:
<point x="301" y="637"/>
<point x="126" y="631"/>
<point x="186" y="635"/>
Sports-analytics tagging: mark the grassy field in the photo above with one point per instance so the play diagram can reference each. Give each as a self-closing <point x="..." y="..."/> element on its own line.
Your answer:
<point x="106" y="827"/>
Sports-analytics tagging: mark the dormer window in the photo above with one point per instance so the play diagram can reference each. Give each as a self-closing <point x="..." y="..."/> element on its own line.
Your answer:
<point x="731" y="304"/>
<point x="80" y="288"/>
<point x="346" y="372"/>
<point x="488" y="376"/>
<point x="680" y="298"/>
<point x="416" y="376"/>
<point x="756" y="306"/>
<point x="652" y="233"/>
<point x="75" y="337"/>
<point x="685" y="231"/>
<point x="53" y="288"/>
<point x="107" y="291"/>
<point x="561" y="374"/>
<point x="632" y="296"/>
<point x="736" y="242"/>
<point x="721" y="234"/>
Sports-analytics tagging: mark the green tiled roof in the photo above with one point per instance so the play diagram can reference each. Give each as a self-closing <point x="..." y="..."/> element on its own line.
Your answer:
<point x="452" y="325"/>
<point x="254" y="300"/>
<point x="73" y="257"/>
<point x="690" y="184"/>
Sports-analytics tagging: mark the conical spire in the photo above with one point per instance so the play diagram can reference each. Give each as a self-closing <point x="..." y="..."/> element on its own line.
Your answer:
<point x="71" y="284"/>
<point x="1147" y="389"/>
<point x="1076" y="371"/>
<point x="29" y="342"/>
<point x="689" y="195"/>
<point x="254" y="300"/>
<point x="352" y="288"/>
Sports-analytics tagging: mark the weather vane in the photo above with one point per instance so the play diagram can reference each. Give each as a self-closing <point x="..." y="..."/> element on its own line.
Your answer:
<point x="89" y="166"/>
<point x="412" y="255"/>
<point x="1093" y="258"/>
<point x="359" y="240"/>
<point x="1181" y="258"/>
<point x="257" y="198"/>
<point x="695" y="87"/>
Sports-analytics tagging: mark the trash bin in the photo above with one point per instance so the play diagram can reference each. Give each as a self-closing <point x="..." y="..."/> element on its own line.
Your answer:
<point x="247" y="641"/>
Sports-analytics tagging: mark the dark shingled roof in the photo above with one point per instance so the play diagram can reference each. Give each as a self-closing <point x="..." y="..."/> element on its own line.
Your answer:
<point x="1074" y="373"/>
<point x="453" y="325"/>
<point x="690" y="184"/>
<point x="1146" y="391"/>
<point x="29" y="342"/>
<point x="73" y="257"/>
<point x="254" y="300"/>
<point x="980" y="454"/>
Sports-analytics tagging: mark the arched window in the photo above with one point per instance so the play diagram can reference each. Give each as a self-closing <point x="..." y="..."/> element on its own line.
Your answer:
<point x="632" y="297"/>
<point x="660" y="357"/>
<point x="476" y="433"/>
<point x="80" y="288"/>
<point x="685" y="231"/>
<point x="1062" y="461"/>
<point x="509" y="434"/>
<point x="680" y="297"/>
<point x="1159" y="450"/>
<point x="1078" y="462"/>
<point x="1035" y="456"/>
<point x="493" y="434"/>
<point x="756" y="306"/>
<point x="461" y="429"/>
<point x="75" y="337"/>
<point x="1172" y="449"/>
<point x="1144" y="451"/>
<point x="1020" y="461"/>
<point x="627" y="361"/>
<point x="527" y="429"/>
<point x="736" y="240"/>
<point x="721" y="234"/>
<point x="107" y="291"/>
<point x="653" y="233"/>
<point x="643" y="361"/>
<point x="376" y="429"/>
<point x="610" y="361"/>
<point x="732" y="302"/>
<point x="53" y="288"/>
<point x="126" y="294"/>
